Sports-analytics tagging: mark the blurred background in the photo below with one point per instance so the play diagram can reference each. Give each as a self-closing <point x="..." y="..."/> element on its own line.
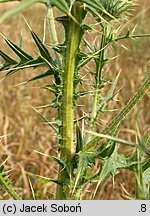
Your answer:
<point x="27" y="130"/>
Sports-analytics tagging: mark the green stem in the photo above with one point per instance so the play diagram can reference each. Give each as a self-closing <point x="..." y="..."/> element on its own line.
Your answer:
<point x="141" y="191"/>
<point x="7" y="187"/>
<point x="99" y="74"/>
<point x="67" y="100"/>
<point x="131" y="36"/>
<point x="98" y="77"/>
<point x="122" y="114"/>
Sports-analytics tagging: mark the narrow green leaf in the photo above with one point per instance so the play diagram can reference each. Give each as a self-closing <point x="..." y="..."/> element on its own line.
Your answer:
<point x="45" y="119"/>
<point x="110" y="95"/>
<point x="146" y="176"/>
<point x="4" y="67"/>
<point x="97" y="8"/>
<point x="26" y="64"/>
<point x="108" y="147"/>
<point x="58" y="161"/>
<point x="131" y="36"/>
<point x="50" y="179"/>
<point x="118" y="140"/>
<point x="129" y="106"/>
<point x="82" y="166"/>
<point x="7" y="58"/>
<point x="8" y="61"/>
<point x="112" y="88"/>
<point x="79" y="144"/>
<point x="47" y="73"/>
<point x="146" y="164"/>
<point x="1" y="168"/>
<point x="43" y="50"/>
<point x="19" y="52"/>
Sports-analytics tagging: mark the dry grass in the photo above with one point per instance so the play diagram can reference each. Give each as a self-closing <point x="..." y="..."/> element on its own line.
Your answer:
<point x="28" y="133"/>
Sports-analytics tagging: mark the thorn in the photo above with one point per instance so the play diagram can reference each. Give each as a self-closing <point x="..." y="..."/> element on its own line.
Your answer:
<point x="5" y="160"/>
<point x="19" y="84"/>
<point x="2" y="79"/>
<point x="5" y="135"/>
<point x="27" y="24"/>
<point x="3" y="36"/>
<point x="41" y="153"/>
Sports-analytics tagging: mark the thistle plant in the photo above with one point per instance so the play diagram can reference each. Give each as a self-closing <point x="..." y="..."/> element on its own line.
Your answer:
<point x="78" y="147"/>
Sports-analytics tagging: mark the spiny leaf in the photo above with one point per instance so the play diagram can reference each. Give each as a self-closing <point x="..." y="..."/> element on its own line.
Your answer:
<point x="50" y="179"/>
<point x="8" y="61"/>
<point x="43" y="50"/>
<point x="85" y="58"/>
<point x="146" y="176"/>
<point x="110" y="166"/>
<point x="118" y="140"/>
<point x="5" y="184"/>
<point x="141" y="190"/>
<point x="79" y="144"/>
<point x="58" y="161"/>
<point x="82" y="165"/>
<point x="26" y="64"/>
<point x="7" y="58"/>
<point x="22" y="55"/>
<point x="83" y="161"/>
<point x="47" y="73"/>
<point x="139" y="175"/>
<point x="123" y="113"/>
<point x="146" y="164"/>
<point x="51" y="88"/>
<point x="108" y="147"/>
<point x="64" y="20"/>
<point x="1" y="168"/>
<point x="110" y="95"/>
<point x="112" y="88"/>
<point x="45" y="119"/>
<point x="97" y="8"/>
<point x="117" y="8"/>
